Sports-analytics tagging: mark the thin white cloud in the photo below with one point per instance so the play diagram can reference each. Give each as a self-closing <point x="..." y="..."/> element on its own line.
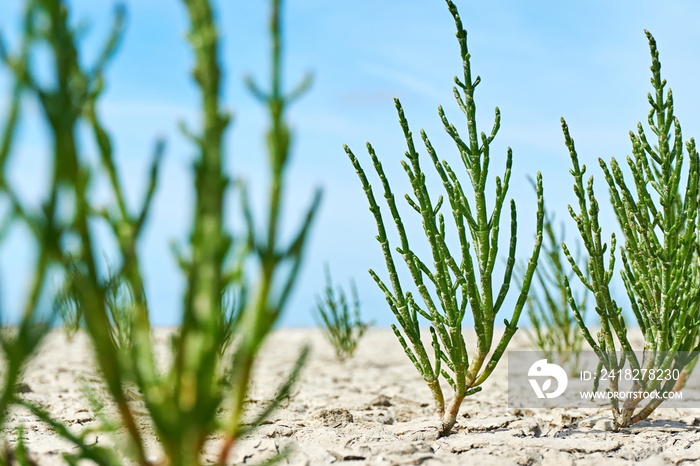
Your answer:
<point x="406" y="79"/>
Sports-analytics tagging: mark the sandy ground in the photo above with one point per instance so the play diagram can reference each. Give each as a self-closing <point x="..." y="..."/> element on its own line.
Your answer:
<point x="373" y="410"/>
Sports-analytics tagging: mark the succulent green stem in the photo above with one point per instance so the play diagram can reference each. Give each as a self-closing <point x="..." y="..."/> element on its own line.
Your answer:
<point x="456" y="281"/>
<point x="658" y="220"/>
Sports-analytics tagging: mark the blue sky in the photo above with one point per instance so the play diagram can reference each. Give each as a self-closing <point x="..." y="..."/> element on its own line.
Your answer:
<point x="586" y="61"/>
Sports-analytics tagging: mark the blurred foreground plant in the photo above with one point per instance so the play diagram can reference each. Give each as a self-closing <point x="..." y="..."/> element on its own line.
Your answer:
<point x="554" y="332"/>
<point x="454" y="280"/>
<point x="342" y="329"/>
<point x="44" y="225"/>
<point x="658" y="217"/>
<point x="184" y="399"/>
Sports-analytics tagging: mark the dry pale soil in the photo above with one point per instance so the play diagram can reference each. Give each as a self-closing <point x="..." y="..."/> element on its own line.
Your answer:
<point x="372" y="410"/>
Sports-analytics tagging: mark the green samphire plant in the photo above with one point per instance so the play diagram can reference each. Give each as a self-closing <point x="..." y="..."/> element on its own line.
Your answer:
<point x="342" y="328"/>
<point x="554" y="331"/>
<point x="202" y="391"/>
<point x="18" y="343"/>
<point x="658" y="216"/>
<point x="458" y="281"/>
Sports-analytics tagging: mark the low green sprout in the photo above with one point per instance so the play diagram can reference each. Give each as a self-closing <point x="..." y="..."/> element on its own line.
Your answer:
<point x="342" y="329"/>
<point x="657" y="213"/>
<point x="554" y="330"/>
<point x="119" y="299"/>
<point x="456" y="281"/>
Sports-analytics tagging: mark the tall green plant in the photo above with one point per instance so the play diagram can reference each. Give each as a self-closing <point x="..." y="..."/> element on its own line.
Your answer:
<point x="658" y="215"/>
<point x="455" y="281"/>
<point x="279" y="264"/>
<point x="46" y="227"/>
<point x="182" y="400"/>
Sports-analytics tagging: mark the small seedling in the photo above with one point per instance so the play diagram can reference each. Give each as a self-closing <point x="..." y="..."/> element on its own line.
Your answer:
<point x="461" y="278"/>
<point x="554" y="331"/>
<point x="342" y="329"/>
<point x="119" y="300"/>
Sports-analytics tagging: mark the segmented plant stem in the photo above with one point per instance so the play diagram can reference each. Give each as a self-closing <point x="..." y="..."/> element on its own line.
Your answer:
<point x="457" y="281"/>
<point x="659" y="257"/>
